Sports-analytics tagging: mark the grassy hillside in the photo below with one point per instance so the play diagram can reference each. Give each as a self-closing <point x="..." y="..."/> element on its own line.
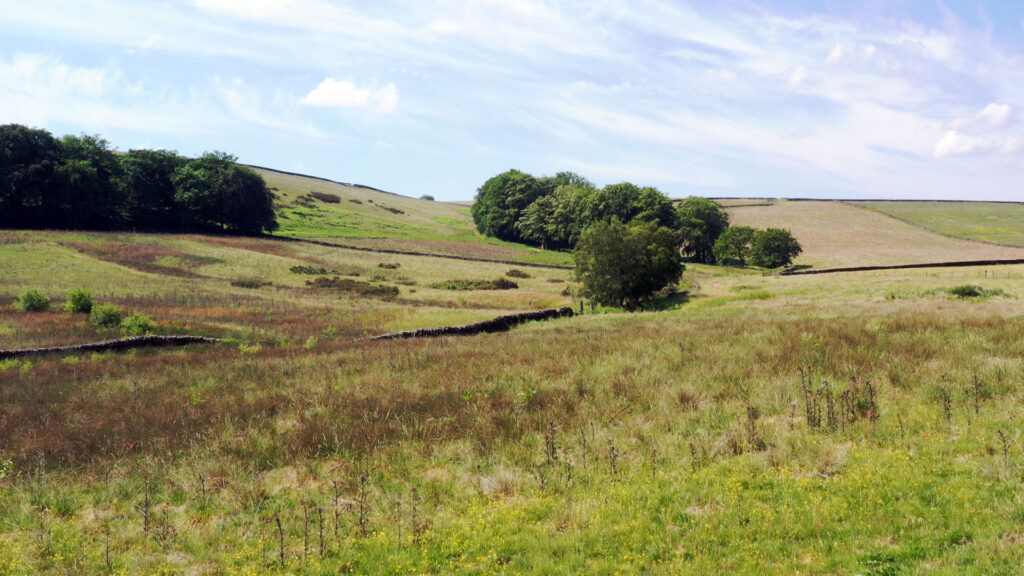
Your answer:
<point x="998" y="222"/>
<point x="312" y="208"/>
<point x="863" y="423"/>
<point x="839" y="234"/>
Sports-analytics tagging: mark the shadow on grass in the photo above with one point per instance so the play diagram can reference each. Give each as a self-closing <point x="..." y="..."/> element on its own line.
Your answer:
<point x="673" y="301"/>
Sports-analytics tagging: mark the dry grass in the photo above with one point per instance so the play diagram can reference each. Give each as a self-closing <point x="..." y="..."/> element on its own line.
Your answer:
<point x="839" y="234"/>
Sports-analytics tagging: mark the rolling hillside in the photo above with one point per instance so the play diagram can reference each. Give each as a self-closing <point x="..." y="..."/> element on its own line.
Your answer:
<point x="310" y="207"/>
<point x="837" y="234"/>
<point x="997" y="222"/>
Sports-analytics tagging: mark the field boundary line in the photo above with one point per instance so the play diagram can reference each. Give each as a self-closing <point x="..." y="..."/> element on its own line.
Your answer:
<point x="962" y="264"/>
<point x="412" y="253"/>
<point x="110" y="345"/>
<point x="499" y="324"/>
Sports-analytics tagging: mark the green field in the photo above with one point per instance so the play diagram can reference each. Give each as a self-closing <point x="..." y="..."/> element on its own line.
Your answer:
<point x="998" y="222"/>
<point x="370" y="218"/>
<point x="864" y="423"/>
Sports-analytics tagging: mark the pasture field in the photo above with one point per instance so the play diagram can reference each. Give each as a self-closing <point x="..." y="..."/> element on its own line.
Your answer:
<point x="997" y="222"/>
<point x="838" y="234"/>
<point x="863" y="423"/>
<point x="360" y="216"/>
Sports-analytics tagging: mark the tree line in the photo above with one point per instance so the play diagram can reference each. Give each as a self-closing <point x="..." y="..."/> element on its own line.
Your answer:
<point x="79" y="182"/>
<point x="628" y="240"/>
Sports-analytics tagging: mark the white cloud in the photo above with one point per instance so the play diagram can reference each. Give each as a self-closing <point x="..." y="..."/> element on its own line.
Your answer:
<point x="798" y="76"/>
<point x="343" y="94"/>
<point x="954" y="143"/>
<point x="836" y="55"/>
<point x="996" y="114"/>
<point x="1011" y="146"/>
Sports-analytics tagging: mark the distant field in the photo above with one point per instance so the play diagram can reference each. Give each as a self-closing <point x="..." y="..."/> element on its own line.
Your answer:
<point x="313" y="208"/>
<point x="998" y="222"/>
<point x="839" y="234"/>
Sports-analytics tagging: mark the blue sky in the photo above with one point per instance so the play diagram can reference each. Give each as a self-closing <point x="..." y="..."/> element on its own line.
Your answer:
<point x="842" y="99"/>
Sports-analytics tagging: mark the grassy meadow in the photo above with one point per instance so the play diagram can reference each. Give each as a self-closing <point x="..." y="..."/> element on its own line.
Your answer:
<point x="864" y="423"/>
<point x="997" y="222"/>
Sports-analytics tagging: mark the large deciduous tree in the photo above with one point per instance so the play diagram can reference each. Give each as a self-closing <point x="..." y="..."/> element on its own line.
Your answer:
<point x="501" y="201"/>
<point x="734" y="244"/>
<point x="623" y="265"/>
<point x="701" y="222"/>
<point x="29" y="159"/>
<point x="774" y="248"/>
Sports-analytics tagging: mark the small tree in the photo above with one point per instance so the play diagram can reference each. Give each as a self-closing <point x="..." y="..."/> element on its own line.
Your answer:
<point x="773" y="248"/>
<point x="622" y="265"/>
<point x="734" y="244"/>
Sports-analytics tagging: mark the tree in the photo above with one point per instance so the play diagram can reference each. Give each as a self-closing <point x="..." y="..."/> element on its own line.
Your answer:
<point x="213" y="192"/>
<point x="773" y="248"/>
<point x="734" y="244"/>
<point x="28" y="171"/>
<point x="628" y="202"/>
<point x="149" y="191"/>
<point x="89" y="192"/>
<point x="621" y="265"/>
<point x="701" y="222"/>
<point x="500" y="202"/>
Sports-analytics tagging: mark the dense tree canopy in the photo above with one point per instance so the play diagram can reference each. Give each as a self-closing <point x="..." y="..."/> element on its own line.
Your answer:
<point x="501" y="201"/>
<point x="79" y="182"/>
<point x="734" y="244"/>
<point x="701" y="222"/>
<point x="625" y="265"/>
<point x="554" y="211"/>
<point x="773" y="248"/>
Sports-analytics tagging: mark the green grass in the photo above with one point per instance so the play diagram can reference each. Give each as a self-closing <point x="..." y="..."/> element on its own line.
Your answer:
<point x="376" y="219"/>
<point x="999" y="222"/>
<point x="667" y="441"/>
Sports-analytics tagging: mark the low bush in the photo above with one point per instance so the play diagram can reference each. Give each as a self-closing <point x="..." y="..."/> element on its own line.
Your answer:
<point x="389" y="265"/>
<point x="517" y="273"/>
<point x="973" y="291"/>
<point x="79" y="302"/>
<point x="325" y="197"/>
<point x="33" y="301"/>
<point x="249" y="282"/>
<point x="499" y="284"/>
<point x="106" y="316"/>
<point x="138" y="325"/>
<point x="354" y="286"/>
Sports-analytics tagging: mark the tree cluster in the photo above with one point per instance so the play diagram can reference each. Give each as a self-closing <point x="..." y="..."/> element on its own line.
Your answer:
<point x="79" y="182"/>
<point x="555" y="210"/>
<point x="768" y="248"/>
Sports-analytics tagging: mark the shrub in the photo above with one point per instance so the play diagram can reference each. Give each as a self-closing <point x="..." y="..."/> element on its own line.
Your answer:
<point x="973" y="291"/>
<point x="516" y="273"/>
<point x="427" y="197"/>
<point x="388" y="266"/>
<point x="354" y="286"/>
<point x="106" y="316"/>
<point x="79" y="301"/>
<point x="249" y="282"/>
<point x="499" y="284"/>
<point x="325" y="197"/>
<point x="137" y="325"/>
<point x="33" y="301"/>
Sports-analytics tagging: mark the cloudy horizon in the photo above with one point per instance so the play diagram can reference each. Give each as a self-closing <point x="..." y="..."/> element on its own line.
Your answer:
<point x="878" y="99"/>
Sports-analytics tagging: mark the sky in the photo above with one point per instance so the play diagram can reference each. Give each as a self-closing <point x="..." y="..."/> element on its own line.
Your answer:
<point x="725" y="98"/>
